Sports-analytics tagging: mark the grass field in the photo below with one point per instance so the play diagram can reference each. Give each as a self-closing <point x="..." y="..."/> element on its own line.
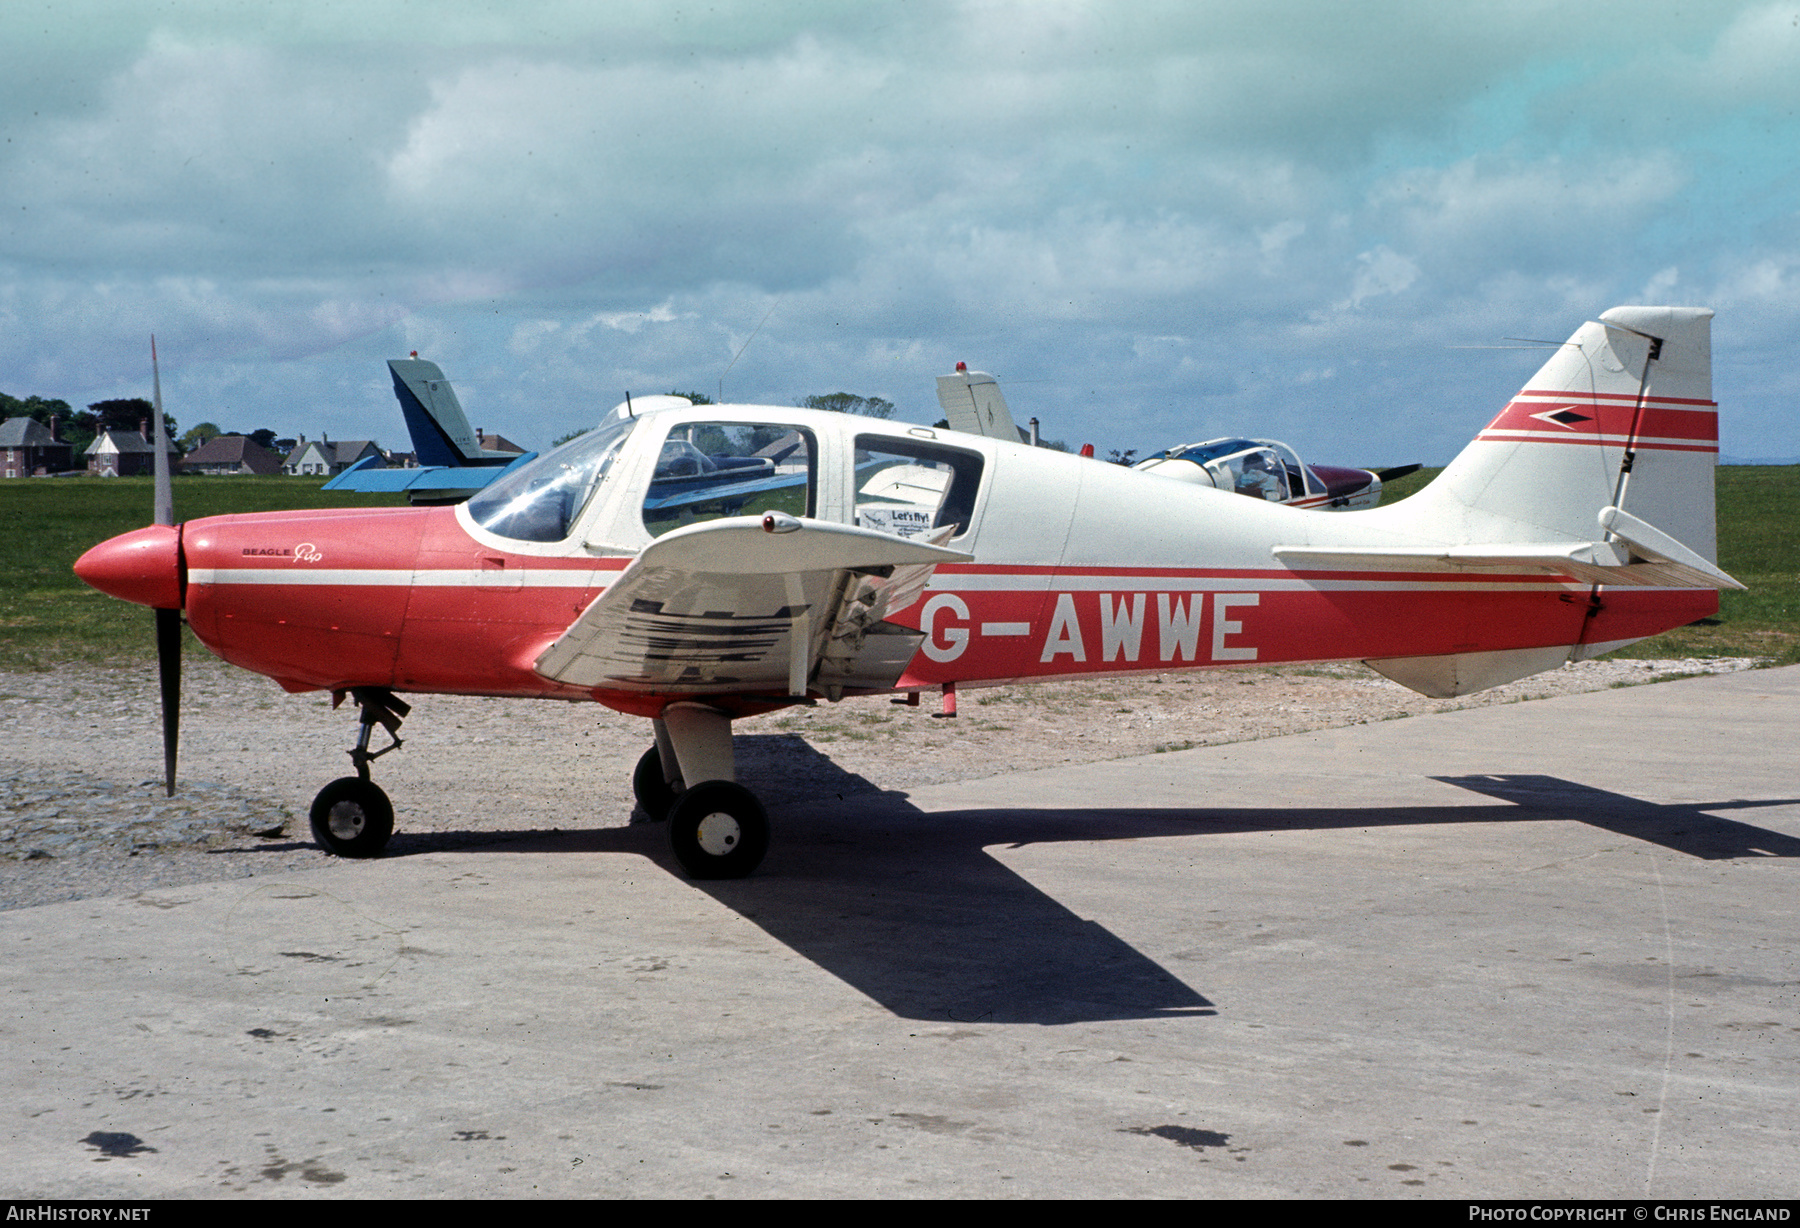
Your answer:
<point x="48" y="617"/>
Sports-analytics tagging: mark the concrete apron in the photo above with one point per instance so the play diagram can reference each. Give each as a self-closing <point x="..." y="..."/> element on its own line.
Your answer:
<point x="1541" y="950"/>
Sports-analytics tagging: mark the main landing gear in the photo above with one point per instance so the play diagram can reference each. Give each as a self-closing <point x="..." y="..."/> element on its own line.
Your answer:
<point x="717" y="828"/>
<point x="351" y="816"/>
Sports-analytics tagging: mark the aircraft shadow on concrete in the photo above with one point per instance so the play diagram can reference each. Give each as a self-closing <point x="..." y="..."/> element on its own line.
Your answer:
<point x="911" y="909"/>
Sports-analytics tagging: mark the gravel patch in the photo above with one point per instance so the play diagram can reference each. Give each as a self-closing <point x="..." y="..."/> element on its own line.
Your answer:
<point x="82" y="810"/>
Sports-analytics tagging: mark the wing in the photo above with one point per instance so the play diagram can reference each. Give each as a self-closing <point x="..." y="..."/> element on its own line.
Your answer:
<point x="424" y="480"/>
<point x="753" y="605"/>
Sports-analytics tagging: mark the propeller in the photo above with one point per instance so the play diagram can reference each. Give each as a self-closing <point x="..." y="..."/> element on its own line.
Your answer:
<point x="168" y="622"/>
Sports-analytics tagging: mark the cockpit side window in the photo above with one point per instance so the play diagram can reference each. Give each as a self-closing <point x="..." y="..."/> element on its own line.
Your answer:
<point x="540" y="502"/>
<point x="906" y="486"/>
<point x="710" y="470"/>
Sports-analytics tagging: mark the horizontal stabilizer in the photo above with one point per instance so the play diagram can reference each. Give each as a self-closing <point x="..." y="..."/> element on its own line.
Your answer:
<point x="422" y="484"/>
<point x="1654" y="559"/>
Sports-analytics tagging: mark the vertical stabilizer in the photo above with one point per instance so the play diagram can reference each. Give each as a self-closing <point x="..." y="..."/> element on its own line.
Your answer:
<point x="440" y="430"/>
<point x="1604" y="458"/>
<point x="1621" y="416"/>
<point x="973" y="405"/>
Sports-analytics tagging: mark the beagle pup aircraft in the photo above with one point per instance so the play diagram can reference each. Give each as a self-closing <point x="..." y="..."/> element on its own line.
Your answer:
<point x="908" y="559"/>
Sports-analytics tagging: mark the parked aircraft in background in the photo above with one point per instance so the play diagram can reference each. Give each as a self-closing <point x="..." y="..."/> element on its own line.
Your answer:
<point x="1270" y="470"/>
<point x="452" y="464"/>
<point x="908" y="559"/>
<point x="1263" y="468"/>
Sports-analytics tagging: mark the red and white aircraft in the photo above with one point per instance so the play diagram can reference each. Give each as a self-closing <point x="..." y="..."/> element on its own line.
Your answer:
<point x="1579" y="520"/>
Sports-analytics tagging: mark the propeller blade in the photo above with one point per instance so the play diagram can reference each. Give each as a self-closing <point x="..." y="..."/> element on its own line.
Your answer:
<point x="168" y="665"/>
<point x="168" y="622"/>
<point x="165" y="489"/>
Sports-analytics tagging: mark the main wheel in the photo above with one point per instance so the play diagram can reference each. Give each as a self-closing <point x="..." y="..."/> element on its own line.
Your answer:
<point x="352" y="817"/>
<point x="654" y="793"/>
<point x="718" y="830"/>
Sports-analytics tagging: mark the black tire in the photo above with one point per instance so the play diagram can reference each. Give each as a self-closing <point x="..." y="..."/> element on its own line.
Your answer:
<point x="655" y="795"/>
<point x="352" y="817"/>
<point x="718" y="830"/>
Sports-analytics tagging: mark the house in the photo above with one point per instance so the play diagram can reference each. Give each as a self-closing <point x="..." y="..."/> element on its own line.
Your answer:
<point x="226" y="454"/>
<point x="322" y="458"/>
<point x="121" y="454"/>
<point x="27" y="446"/>
<point x="496" y="443"/>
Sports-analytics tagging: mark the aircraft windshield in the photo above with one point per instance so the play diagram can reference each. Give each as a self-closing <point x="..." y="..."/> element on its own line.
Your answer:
<point x="540" y="502"/>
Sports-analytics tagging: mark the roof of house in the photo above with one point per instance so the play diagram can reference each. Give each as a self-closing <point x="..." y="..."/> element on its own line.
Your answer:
<point x="349" y="449"/>
<point x="497" y="443"/>
<point x="122" y="441"/>
<point x="25" y="433"/>
<point x="234" y="450"/>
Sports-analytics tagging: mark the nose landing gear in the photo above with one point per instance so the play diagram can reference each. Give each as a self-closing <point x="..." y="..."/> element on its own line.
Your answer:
<point x="351" y="816"/>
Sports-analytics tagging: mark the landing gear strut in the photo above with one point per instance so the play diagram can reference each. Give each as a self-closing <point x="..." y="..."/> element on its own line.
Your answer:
<point x="351" y="816"/>
<point x="717" y="828"/>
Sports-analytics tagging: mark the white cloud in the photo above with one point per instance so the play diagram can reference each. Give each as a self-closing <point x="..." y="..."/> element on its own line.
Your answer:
<point x="1381" y="271"/>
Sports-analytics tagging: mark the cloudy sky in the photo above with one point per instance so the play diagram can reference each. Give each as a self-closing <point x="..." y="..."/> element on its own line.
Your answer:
<point x="1154" y="222"/>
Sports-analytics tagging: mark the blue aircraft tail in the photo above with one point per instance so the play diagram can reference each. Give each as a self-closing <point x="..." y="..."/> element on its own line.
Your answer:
<point x="440" y="431"/>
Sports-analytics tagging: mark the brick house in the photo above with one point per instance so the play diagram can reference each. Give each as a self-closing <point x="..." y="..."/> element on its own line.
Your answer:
<point x="27" y="446"/>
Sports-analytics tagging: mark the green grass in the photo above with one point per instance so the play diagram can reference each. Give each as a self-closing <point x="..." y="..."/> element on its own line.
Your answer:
<point x="47" y="616"/>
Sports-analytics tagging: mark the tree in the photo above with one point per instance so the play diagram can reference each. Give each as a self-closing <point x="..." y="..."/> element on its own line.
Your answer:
<point x="200" y="436"/>
<point x="850" y="403"/>
<point x="126" y="414"/>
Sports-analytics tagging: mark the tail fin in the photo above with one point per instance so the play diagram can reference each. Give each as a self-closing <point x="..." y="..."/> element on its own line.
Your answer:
<point x="973" y="404"/>
<point x="440" y="430"/>
<point x="1622" y="416"/>
<point x="1600" y="470"/>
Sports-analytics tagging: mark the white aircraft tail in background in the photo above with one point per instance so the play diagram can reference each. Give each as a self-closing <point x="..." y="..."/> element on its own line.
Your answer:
<point x="973" y="403"/>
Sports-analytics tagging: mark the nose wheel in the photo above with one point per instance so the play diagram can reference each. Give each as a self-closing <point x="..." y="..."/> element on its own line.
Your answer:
<point x="351" y="816"/>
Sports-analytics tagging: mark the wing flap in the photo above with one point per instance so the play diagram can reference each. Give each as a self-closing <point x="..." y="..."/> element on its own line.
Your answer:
<point x="728" y="606"/>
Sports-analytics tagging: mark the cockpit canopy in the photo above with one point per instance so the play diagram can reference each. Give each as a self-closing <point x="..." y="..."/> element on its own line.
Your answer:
<point x="689" y="464"/>
<point x="1261" y="468"/>
<point x="540" y="502"/>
